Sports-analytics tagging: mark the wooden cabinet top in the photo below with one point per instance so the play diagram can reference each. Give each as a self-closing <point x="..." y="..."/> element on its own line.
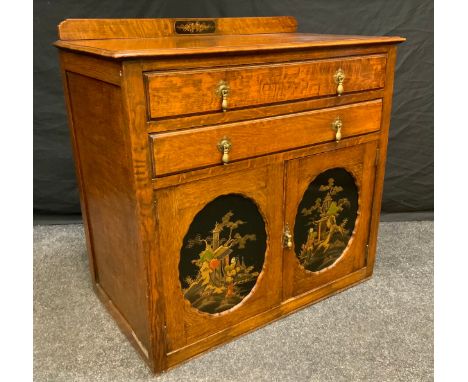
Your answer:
<point x="134" y="38"/>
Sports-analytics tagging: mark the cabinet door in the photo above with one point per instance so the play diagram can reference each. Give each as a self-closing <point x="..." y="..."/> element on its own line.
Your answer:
<point x="220" y="246"/>
<point x="328" y="209"/>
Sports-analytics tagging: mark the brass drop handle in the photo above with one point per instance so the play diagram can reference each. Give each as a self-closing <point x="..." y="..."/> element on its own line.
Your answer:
<point x="223" y="92"/>
<point x="224" y="103"/>
<point x="339" y="79"/>
<point x="287" y="237"/>
<point x="337" y="125"/>
<point x="224" y="147"/>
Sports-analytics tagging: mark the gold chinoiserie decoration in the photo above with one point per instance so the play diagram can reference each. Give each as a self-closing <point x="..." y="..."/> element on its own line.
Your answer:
<point x="337" y="125"/>
<point x="224" y="147"/>
<point x="339" y="79"/>
<point x="327" y="233"/>
<point x="223" y="254"/>
<point x="194" y="27"/>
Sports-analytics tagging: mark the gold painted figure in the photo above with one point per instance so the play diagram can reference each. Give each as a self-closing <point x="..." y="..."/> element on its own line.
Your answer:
<point x="220" y="282"/>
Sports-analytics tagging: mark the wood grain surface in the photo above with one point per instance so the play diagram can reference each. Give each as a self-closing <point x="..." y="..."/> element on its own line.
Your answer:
<point x="96" y="29"/>
<point x="190" y="45"/>
<point x="101" y="138"/>
<point x="195" y="91"/>
<point x="194" y="148"/>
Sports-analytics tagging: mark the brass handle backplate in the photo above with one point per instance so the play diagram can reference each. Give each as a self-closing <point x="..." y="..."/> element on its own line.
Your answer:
<point x="287" y="237"/>
<point x="339" y="79"/>
<point x="223" y="92"/>
<point x="224" y="147"/>
<point x="337" y="125"/>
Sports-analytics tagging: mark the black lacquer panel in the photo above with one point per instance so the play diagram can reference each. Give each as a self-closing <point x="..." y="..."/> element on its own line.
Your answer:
<point x="325" y="219"/>
<point x="222" y="253"/>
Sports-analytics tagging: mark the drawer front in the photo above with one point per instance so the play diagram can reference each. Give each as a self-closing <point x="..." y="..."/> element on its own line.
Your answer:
<point x="178" y="93"/>
<point x="195" y="148"/>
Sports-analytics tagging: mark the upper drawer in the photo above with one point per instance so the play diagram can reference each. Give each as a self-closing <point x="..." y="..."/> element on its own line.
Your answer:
<point x="177" y="93"/>
<point x="195" y="148"/>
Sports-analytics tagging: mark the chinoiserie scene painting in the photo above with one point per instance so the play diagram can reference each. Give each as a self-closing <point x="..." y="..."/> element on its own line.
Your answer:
<point x="325" y="219"/>
<point x="222" y="254"/>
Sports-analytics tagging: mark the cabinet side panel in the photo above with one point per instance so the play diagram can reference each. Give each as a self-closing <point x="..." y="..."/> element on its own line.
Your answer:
<point x="381" y="159"/>
<point x="108" y="189"/>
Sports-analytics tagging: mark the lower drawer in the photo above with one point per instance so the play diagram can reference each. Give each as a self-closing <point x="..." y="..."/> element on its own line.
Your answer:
<point x="196" y="148"/>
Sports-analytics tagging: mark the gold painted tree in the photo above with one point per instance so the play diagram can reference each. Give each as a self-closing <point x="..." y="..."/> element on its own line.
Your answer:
<point x="324" y="232"/>
<point x="221" y="274"/>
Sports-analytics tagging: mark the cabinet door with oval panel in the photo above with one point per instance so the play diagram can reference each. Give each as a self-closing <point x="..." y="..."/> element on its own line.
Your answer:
<point x="328" y="204"/>
<point x="222" y="253"/>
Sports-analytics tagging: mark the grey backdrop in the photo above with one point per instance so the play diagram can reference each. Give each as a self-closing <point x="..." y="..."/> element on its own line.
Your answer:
<point x="409" y="175"/>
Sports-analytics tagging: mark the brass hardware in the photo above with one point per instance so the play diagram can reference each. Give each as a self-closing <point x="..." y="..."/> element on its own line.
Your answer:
<point x="224" y="147"/>
<point x="223" y="92"/>
<point x="337" y="125"/>
<point x="339" y="79"/>
<point x="287" y="237"/>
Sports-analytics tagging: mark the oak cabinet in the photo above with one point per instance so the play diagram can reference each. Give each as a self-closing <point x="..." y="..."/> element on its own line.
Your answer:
<point x="230" y="170"/>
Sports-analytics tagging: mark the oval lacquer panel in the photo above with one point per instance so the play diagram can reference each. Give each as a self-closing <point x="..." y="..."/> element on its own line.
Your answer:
<point x="222" y="253"/>
<point x="325" y="219"/>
